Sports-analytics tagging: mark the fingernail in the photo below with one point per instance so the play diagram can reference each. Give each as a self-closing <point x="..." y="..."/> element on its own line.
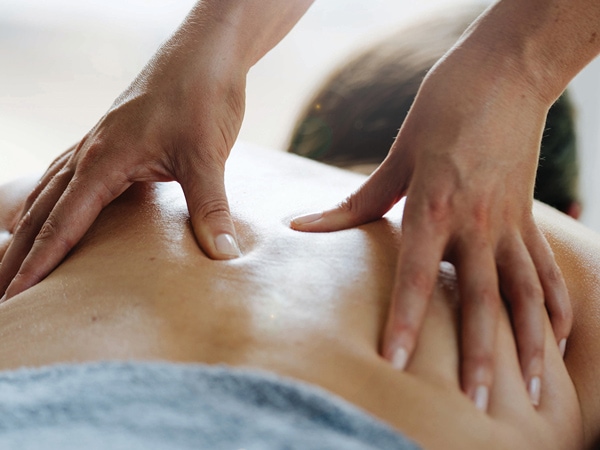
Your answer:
<point x="535" y="389"/>
<point x="226" y="245"/>
<point x="481" y="398"/>
<point x="308" y="218"/>
<point x="399" y="358"/>
<point x="562" y="346"/>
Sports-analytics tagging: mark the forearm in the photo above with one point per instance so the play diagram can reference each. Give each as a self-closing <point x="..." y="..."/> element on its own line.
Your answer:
<point x="216" y="45"/>
<point x="246" y="29"/>
<point x="541" y="44"/>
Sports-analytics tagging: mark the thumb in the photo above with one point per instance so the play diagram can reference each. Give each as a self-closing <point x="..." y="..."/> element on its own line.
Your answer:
<point x="207" y="203"/>
<point x="382" y="190"/>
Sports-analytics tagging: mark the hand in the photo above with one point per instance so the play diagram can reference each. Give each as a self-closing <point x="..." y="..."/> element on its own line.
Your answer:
<point x="177" y="121"/>
<point x="5" y="237"/>
<point x="466" y="158"/>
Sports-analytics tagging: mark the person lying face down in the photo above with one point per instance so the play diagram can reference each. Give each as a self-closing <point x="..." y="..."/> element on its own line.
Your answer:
<point x="300" y="316"/>
<point x="353" y="118"/>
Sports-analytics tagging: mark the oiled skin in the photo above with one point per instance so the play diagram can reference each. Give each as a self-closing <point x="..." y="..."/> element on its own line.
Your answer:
<point x="308" y="306"/>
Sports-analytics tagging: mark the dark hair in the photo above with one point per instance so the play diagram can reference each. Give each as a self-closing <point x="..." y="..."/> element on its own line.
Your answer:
<point x="355" y="114"/>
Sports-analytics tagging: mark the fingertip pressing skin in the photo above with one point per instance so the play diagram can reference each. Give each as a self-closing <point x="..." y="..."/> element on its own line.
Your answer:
<point x="226" y="245"/>
<point x="399" y="340"/>
<point x="40" y="261"/>
<point x="416" y="275"/>
<point x="301" y="221"/>
<point x="213" y="226"/>
<point x="480" y="299"/>
<point x="479" y="389"/>
<point x="526" y="297"/>
<point x="399" y="358"/>
<point x="322" y="222"/>
<point x="481" y="397"/>
<point x="217" y="239"/>
<point x="15" y="288"/>
<point x="32" y="221"/>
<point x="555" y="290"/>
<point x="534" y="388"/>
<point x="368" y="203"/>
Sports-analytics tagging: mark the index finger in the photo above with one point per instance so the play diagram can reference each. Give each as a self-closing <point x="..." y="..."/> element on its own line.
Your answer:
<point x="73" y="214"/>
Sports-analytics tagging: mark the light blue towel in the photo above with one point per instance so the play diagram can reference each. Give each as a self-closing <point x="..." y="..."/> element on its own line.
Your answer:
<point x="131" y="406"/>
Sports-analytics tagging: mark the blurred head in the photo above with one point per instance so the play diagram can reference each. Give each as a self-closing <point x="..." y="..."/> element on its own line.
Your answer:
<point x="354" y="116"/>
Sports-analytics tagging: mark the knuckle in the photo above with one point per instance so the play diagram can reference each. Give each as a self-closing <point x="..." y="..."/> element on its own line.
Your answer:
<point x="531" y="355"/>
<point x="489" y="299"/>
<point x="25" y="224"/>
<point x="50" y="232"/>
<point x="535" y="353"/>
<point x="438" y="208"/>
<point x="362" y="207"/>
<point x="110" y="188"/>
<point x="553" y="274"/>
<point x="213" y="209"/>
<point x="417" y="280"/>
<point x="88" y="159"/>
<point x="352" y="206"/>
<point x="480" y="215"/>
<point x="562" y="314"/>
<point x="407" y="330"/>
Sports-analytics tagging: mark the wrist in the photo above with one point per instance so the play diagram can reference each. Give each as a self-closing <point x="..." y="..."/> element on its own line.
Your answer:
<point x="246" y="29"/>
<point x="536" y="45"/>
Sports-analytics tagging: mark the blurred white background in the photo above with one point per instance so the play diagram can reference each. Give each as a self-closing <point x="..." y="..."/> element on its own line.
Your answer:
<point x="64" y="62"/>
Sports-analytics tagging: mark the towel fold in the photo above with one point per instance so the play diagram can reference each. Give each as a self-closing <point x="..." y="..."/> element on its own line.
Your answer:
<point x="139" y="405"/>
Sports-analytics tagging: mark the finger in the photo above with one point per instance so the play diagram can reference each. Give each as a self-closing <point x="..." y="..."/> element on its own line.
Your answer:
<point x="56" y="166"/>
<point x="555" y="290"/>
<point x="209" y="212"/>
<point x="523" y="291"/>
<point x="510" y="402"/>
<point x="5" y="238"/>
<point x="29" y="227"/>
<point x="508" y="396"/>
<point x="438" y="339"/>
<point x="80" y="203"/>
<point x="371" y="201"/>
<point x="416" y="275"/>
<point x="478" y="286"/>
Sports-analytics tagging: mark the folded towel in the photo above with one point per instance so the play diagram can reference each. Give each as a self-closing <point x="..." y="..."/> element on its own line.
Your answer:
<point x="130" y="406"/>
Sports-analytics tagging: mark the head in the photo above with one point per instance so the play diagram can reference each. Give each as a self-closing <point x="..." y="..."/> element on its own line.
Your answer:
<point x="353" y="118"/>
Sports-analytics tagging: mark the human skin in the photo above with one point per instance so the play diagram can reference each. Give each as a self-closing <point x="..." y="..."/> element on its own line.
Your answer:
<point x="177" y="120"/>
<point x="180" y="116"/>
<point x="475" y="128"/>
<point x="307" y="306"/>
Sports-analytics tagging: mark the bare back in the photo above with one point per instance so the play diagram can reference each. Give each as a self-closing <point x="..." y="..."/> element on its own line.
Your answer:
<point x="307" y="306"/>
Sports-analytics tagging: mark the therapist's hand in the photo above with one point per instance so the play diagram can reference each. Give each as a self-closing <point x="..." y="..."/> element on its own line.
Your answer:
<point x="177" y="121"/>
<point x="466" y="159"/>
